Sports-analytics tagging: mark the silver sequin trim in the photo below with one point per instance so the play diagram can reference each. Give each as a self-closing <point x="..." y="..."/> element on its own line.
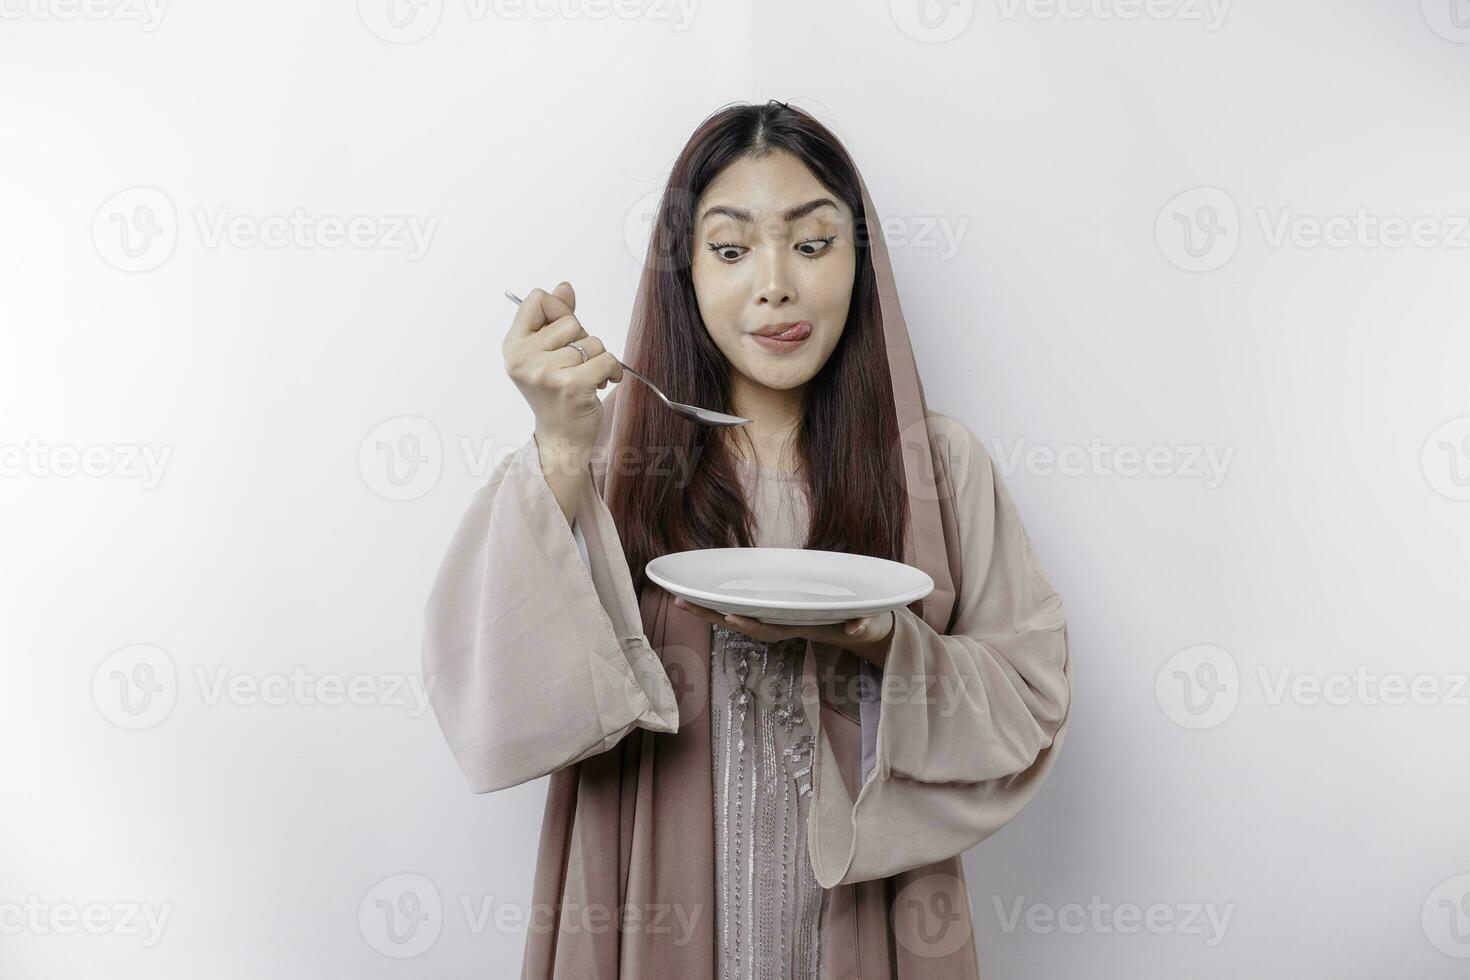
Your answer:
<point x="769" y="905"/>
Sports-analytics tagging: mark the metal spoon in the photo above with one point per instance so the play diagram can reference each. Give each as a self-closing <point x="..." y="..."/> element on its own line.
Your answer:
<point x="705" y="415"/>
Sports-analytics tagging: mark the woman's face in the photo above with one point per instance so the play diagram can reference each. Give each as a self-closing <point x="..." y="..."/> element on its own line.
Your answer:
<point x="773" y="246"/>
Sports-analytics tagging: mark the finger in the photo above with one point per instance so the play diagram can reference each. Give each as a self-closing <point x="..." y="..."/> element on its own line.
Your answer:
<point x="603" y="367"/>
<point x="537" y="310"/>
<point x="566" y="294"/>
<point x="567" y="356"/>
<point x="697" y="609"/>
<point x="558" y="333"/>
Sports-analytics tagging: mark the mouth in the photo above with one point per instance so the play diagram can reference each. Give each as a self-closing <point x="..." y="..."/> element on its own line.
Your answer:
<point x="782" y="338"/>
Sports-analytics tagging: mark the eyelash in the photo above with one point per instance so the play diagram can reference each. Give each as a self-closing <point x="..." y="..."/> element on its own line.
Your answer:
<point x="718" y="247"/>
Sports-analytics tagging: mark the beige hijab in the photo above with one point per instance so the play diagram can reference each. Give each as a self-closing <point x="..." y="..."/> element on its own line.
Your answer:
<point x="629" y="823"/>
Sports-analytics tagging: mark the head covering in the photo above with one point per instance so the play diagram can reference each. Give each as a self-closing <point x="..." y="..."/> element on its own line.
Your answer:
<point x="924" y="544"/>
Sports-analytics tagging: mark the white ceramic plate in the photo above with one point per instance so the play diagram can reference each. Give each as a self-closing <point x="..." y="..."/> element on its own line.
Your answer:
<point x="790" y="586"/>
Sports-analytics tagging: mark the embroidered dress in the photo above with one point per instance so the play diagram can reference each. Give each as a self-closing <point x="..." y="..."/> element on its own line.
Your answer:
<point x="768" y="903"/>
<point x="769" y="907"/>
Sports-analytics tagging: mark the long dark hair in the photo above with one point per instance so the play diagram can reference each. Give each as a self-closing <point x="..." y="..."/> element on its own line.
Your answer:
<point x="855" y="504"/>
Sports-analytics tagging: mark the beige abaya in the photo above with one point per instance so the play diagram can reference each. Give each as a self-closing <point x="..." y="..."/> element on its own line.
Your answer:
<point x="546" y="663"/>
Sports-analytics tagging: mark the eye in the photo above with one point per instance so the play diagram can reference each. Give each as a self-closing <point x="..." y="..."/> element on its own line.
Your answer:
<point x="720" y="247"/>
<point x="825" y="243"/>
<point x="811" y="248"/>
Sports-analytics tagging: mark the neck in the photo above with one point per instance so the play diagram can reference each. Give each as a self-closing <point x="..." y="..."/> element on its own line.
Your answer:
<point x="775" y="414"/>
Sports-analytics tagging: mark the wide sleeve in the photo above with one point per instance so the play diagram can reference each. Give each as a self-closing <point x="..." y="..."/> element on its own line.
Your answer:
<point x="534" y="654"/>
<point x="966" y="725"/>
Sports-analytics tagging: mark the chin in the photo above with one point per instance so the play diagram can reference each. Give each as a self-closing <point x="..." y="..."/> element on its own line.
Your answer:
<point x="778" y="377"/>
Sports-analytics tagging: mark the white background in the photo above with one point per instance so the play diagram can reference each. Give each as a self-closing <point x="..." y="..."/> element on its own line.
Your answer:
<point x="287" y="385"/>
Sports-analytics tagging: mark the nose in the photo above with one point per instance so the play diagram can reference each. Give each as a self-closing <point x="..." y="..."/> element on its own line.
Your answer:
<point x="777" y="287"/>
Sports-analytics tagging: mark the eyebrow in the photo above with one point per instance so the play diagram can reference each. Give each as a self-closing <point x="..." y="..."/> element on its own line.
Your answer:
<point x="742" y="215"/>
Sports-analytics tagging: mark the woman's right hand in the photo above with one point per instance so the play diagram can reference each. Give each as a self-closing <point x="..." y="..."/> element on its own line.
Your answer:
<point x="551" y="376"/>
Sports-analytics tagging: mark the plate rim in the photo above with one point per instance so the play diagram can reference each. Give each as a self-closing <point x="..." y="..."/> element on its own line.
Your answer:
<point x="902" y="598"/>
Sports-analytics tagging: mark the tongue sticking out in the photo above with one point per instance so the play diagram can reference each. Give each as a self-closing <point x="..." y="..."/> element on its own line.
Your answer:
<point x="797" y="332"/>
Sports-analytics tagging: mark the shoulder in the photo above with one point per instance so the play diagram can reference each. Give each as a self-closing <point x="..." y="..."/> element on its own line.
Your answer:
<point x="955" y="446"/>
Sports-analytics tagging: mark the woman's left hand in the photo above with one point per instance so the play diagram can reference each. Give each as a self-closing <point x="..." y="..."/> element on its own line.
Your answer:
<point x="867" y="637"/>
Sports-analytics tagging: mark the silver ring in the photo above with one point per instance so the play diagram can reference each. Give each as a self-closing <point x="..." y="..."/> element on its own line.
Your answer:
<point x="579" y="350"/>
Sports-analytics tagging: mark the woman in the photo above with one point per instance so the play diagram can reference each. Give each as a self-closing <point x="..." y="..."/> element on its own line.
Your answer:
<point x="730" y="798"/>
